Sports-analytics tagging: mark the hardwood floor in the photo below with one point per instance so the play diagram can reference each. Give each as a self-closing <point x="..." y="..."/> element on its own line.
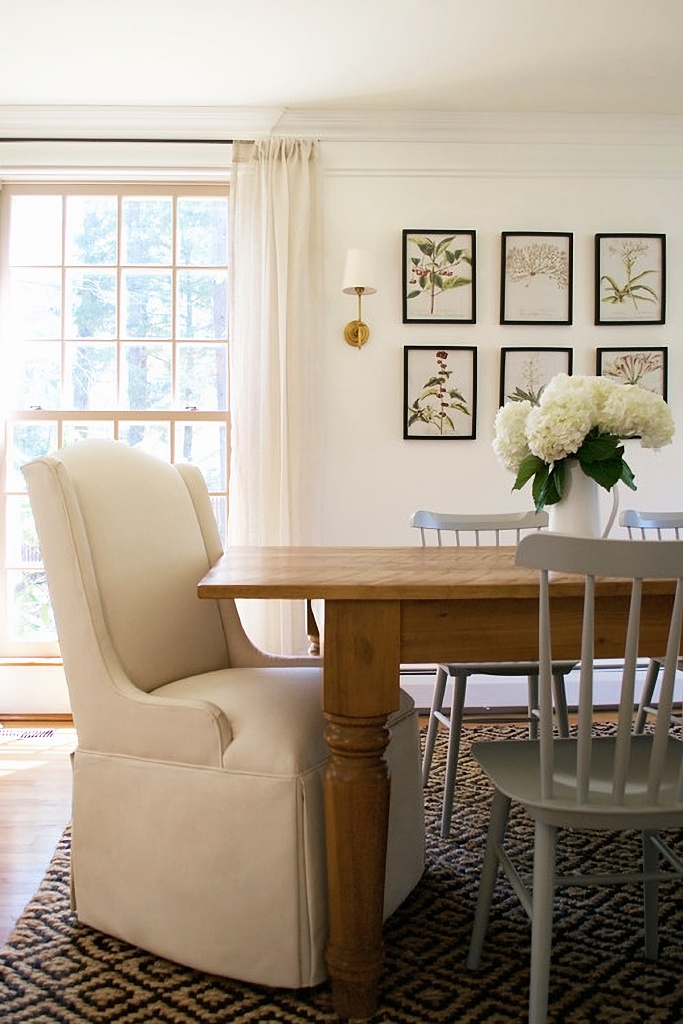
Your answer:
<point x="35" y="807"/>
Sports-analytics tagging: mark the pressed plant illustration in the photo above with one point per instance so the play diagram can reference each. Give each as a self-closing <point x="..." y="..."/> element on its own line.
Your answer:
<point x="633" y="288"/>
<point x="634" y="367"/>
<point x="438" y="399"/>
<point x="530" y="386"/>
<point x="441" y="266"/>
<point x="523" y="263"/>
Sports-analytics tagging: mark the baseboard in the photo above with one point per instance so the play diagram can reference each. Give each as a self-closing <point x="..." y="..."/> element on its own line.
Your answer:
<point x="502" y="693"/>
<point x="37" y="719"/>
<point x="33" y="689"/>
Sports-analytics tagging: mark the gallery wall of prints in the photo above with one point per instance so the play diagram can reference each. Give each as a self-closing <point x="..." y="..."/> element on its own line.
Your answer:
<point x="611" y="221"/>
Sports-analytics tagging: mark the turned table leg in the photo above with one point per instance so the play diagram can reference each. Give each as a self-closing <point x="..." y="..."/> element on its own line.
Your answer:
<point x="361" y="687"/>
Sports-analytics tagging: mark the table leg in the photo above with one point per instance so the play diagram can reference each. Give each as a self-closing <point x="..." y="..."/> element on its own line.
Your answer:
<point x="361" y="687"/>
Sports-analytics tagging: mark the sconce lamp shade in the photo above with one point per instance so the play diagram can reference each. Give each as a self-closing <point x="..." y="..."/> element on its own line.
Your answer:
<point x="359" y="272"/>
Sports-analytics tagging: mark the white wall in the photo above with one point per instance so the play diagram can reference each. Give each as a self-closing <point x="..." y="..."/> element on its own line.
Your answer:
<point x="372" y="479"/>
<point x="33" y="689"/>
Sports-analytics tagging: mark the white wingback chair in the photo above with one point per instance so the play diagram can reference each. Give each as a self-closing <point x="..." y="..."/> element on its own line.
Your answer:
<point x="198" y="819"/>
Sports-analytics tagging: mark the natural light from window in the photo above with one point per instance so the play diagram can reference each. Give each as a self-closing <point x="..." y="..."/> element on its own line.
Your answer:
<point x="114" y="325"/>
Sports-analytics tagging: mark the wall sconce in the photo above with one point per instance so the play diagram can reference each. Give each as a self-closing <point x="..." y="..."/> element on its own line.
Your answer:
<point x="359" y="279"/>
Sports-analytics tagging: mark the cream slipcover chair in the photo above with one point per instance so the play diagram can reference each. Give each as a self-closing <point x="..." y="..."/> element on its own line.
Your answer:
<point x="198" y="822"/>
<point x="590" y="782"/>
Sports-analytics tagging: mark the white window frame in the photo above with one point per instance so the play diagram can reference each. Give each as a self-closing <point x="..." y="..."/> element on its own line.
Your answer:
<point x="16" y="650"/>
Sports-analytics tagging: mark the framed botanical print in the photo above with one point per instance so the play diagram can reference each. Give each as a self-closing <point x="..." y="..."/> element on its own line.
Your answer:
<point x="439" y="277"/>
<point x="536" y="277"/>
<point x="630" y="279"/>
<point x="647" y="367"/>
<point x="525" y="372"/>
<point x="439" y="392"/>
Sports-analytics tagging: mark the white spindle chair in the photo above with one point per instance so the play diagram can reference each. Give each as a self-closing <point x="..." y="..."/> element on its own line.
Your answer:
<point x="491" y="529"/>
<point x="651" y="526"/>
<point x="591" y="782"/>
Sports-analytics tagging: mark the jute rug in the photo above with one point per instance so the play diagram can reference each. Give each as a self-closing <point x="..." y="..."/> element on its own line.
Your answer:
<point x="54" y="971"/>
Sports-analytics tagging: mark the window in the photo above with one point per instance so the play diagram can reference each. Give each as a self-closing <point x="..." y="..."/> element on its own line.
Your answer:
<point x="114" y="324"/>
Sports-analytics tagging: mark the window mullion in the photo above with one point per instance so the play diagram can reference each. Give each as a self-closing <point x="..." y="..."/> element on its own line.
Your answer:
<point x="193" y="359"/>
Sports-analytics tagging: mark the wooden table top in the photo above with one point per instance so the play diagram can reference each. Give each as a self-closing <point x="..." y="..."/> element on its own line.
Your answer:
<point x="383" y="573"/>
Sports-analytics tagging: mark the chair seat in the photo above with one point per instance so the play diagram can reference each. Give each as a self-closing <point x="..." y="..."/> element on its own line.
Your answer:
<point x="497" y="668"/>
<point x="289" y="738"/>
<point x="514" y="769"/>
<point x="285" y="703"/>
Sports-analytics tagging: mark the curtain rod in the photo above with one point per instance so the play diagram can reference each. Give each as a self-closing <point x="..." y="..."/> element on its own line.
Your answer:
<point x="191" y="142"/>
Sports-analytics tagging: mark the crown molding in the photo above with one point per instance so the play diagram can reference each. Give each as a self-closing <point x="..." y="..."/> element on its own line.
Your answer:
<point x="467" y="127"/>
<point x="225" y="123"/>
<point x="142" y="123"/>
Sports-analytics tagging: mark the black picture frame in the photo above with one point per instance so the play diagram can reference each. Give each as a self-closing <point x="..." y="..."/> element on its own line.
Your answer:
<point x="630" y="278"/>
<point x="525" y="372"/>
<point x="536" y="277"/>
<point x="439" y="283"/>
<point x="636" y="364"/>
<point x="439" y="392"/>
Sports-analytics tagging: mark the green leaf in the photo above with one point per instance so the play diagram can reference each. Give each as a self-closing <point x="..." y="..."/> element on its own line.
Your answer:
<point x="443" y="244"/>
<point x="643" y="273"/>
<point x="640" y="288"/>
<point x="627" y="476"/>
<point x="597" y="447"/>
<point x="425" y="245"/>
<point x="540" y="490"/>
<point x="528" y="467"/>
<point x="601" y="458"/>
<point x="606" y="472"/>
<point x="456" y="282"/>
<point x="547" y="489"/>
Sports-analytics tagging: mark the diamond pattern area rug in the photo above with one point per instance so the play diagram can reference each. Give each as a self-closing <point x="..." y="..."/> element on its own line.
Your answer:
<point x="55" y="971"/>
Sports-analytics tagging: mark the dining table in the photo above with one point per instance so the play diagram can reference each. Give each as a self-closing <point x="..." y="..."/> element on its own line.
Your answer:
<point x="390" y="606"/>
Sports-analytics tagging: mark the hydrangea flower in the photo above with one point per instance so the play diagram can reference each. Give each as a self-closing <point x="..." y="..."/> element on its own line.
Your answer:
<point x="583" y="418"/>
<point x="510" y="443"/>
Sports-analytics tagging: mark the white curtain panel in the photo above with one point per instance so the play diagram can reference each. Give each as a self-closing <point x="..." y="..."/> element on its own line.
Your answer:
<point x="275" y="317"/>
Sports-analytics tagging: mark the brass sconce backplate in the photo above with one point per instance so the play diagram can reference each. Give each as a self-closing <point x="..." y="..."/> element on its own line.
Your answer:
<point x="356" y="333"/>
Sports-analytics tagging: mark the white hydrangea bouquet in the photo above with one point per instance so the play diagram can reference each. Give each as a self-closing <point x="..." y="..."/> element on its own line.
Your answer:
<point x="583" y="418"/>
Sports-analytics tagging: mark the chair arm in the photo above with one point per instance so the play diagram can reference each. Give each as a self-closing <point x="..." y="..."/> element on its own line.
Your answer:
<point x="119" y="718"/>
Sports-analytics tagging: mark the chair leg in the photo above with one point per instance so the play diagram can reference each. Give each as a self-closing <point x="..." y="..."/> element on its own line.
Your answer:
<point x="542" y="920"/>
<point x="561" y="711"/>
<point x="433" y="726"/>
<point x="532" y="705"/>
<point x="500" y="809"/>
<point x="646" y="694"/>
<point x="650" y="898"/>
<point x="457" y="710"/>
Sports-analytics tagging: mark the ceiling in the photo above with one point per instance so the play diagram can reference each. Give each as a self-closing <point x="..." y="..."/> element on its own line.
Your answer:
<point x="620" y="57"/>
